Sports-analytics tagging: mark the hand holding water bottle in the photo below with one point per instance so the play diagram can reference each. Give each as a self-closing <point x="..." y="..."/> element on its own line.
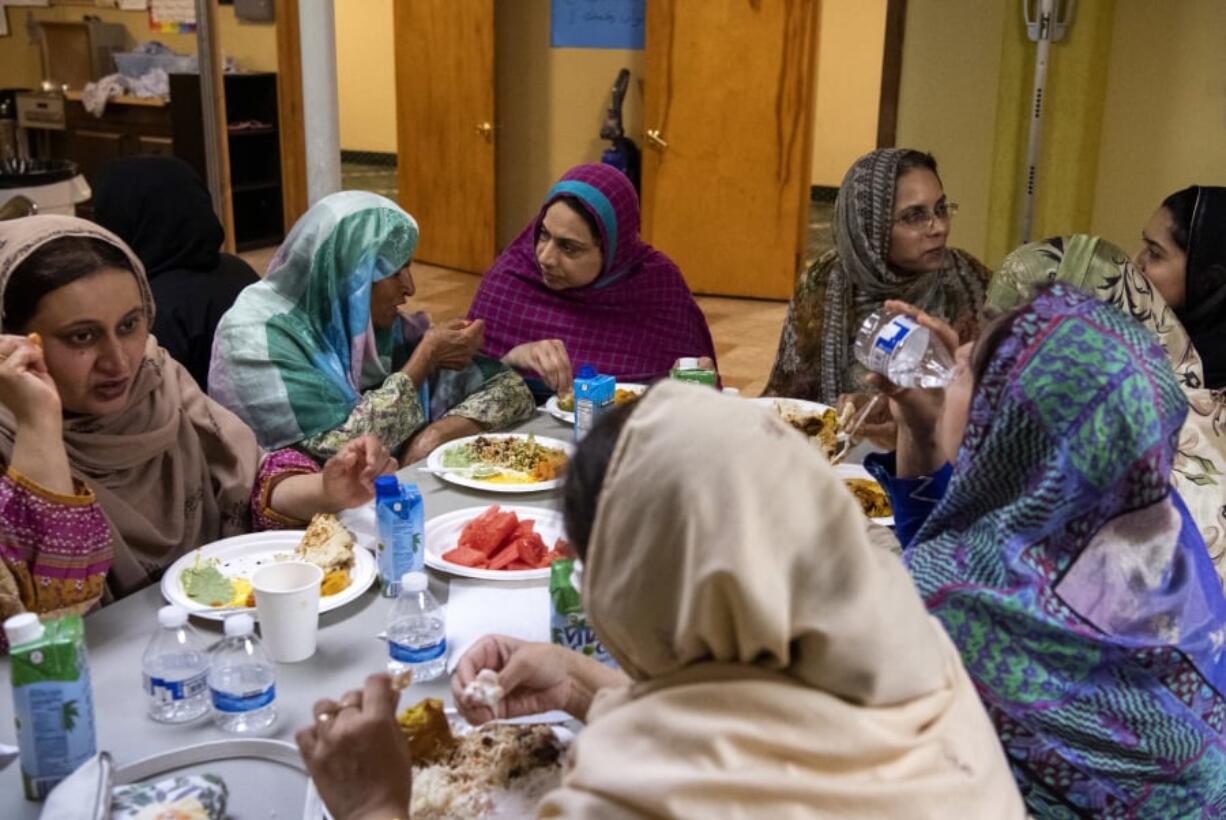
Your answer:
<point x="916" y="409"/>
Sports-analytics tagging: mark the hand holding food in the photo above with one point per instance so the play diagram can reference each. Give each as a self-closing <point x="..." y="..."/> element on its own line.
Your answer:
<point x="548" y="359"/>
<point x="534" y="678"/>
<point x="879" y="427"/>
<point x="26" y="387"/>
<point x="357" y="756"/>
<point x="349" y="476"/>
<point x="453" y="344"/>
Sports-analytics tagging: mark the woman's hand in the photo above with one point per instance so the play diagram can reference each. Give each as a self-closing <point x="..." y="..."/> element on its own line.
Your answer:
<point x="917" y="411"/>
<point x="534" y="678"/>
<point x="548" y="359"/>
<point x="347" y="480"/>
<point x="26" y="387"/>
<point x="879" y="428"/>
<point x="28" y="391"/>
<point x="349" y="476"/>
<point x="450" y="346"/>
<point x="357" y="755"/>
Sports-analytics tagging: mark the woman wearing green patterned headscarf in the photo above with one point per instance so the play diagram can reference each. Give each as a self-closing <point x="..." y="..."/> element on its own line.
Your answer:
<point x="318" y="352"/>
<point x="1104" y="271"/>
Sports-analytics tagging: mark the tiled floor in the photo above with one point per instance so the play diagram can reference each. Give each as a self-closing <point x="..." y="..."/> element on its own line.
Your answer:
<point x="746" y="331"/>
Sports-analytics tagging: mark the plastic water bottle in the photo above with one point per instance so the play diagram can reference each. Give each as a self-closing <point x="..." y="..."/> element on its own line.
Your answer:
<point x="175" y="670"/>
<point x="899" y="348"/>
<point x="416" y="636"/>
<point x="242" y="680"/>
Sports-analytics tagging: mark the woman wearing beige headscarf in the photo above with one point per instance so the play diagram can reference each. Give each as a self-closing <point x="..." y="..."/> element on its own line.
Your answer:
<point x="115" y="463"/>
<point x="776" y="664"/>
<point x="1105" y="272"/>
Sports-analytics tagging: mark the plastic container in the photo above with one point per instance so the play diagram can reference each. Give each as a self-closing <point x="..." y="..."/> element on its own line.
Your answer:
<point x="242" y="680"/>
<point x="902" y="350"/>
<point x="688" y="370"/>
<point x="594" y="395"/>
<point x="400" y="517"/>
<point x="53" y="702"/>
<point x="416" y="631"/>
<point x="136" y="64"/>
<point x="175" y="670"/>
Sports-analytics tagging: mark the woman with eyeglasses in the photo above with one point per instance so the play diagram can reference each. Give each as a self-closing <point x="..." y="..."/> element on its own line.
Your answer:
<point x="319" y="353"/>
<point x="891" y="224"/>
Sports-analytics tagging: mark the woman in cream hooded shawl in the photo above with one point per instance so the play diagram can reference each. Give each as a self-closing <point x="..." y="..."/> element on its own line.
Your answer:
<point x="778" y="665"/>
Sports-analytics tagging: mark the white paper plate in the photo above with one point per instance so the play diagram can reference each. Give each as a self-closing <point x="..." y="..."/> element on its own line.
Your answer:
<point x="801" y="406"/>
<point x="243" y="554"/>
<point x="435" y="462"/>
<point x="568" y="417"/>
<point x="443" y="533"/>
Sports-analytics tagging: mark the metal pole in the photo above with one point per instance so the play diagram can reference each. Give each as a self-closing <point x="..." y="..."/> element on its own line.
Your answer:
<point x="320" y="113"/>
<point x="208" y="107"/>
<point x="1046" y="11"/>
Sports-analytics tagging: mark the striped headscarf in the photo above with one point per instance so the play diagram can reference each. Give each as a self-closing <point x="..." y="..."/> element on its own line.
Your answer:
<point x="295" y="353"/>
<point x="1071" y="577"/>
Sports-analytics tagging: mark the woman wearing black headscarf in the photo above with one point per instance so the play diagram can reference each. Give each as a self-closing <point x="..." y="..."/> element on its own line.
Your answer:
<point x="162" y="210"/>
<point x="1184" y="256"/>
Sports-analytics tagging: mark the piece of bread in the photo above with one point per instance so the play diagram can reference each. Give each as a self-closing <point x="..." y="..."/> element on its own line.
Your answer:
<point x="326" y="544"/>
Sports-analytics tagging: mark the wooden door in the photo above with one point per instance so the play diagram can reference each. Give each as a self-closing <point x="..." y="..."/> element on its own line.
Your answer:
<point x="727" y="106"/>
<point x="444" y="127"/>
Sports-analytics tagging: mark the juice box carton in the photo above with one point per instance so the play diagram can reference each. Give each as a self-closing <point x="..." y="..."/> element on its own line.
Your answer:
<point x="400" y="516"/>
<point x="568" y="624"/>
<point x="53" y="704"/>
<point x="687" y="370"/>
<point x="594" y="394"/>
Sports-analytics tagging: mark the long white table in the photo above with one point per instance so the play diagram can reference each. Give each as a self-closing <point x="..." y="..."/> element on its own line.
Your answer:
<point x="347" y="652"/>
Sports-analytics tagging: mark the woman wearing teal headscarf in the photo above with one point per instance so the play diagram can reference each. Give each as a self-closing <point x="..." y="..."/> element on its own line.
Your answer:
<point x="318" y="352"/>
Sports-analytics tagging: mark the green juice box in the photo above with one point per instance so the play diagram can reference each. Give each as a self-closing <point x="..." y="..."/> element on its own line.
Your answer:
<point x="53" y="704"/>
<point x="687" y="370"/>
<point x="567" y="622"/>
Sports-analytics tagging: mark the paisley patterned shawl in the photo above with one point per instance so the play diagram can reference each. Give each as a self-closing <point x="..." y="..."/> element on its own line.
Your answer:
<point x="1104" y="270"/>
<point x="844" y="286"/>
<point x="1069" y="574"/>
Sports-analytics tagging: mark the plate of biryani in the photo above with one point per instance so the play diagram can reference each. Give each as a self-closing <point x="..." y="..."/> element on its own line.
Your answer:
<point x="873" y="499"/>
<point x="562" y="408"/>
<point x="215" y="580"/>
<point x="502" y="462"/>
<point x="817" y="422"/>
<point x="500" y="769"/>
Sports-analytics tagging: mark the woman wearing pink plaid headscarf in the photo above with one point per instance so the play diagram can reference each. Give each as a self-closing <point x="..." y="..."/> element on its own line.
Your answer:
<point x="579" y="286"/>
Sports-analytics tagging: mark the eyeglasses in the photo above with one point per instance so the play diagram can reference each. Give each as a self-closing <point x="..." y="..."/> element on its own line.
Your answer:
<point x="921" y="219"/>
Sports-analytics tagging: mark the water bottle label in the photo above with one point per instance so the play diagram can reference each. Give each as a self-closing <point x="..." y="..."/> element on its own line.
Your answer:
<point x="170" y="690"/>
<point x="243" y="702"/>
<point x="887" y="341"/>
<point x="409" y="654"/>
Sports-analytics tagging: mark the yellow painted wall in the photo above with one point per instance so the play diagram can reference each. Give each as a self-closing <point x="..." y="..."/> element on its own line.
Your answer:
<point x="1165" y="123"/>
<point x="948" y="100"/>
<point x="254" y="45"/>
<point x="851" y="36"/>
<point x="366" y="75"/>
<point x="550" y="103"/>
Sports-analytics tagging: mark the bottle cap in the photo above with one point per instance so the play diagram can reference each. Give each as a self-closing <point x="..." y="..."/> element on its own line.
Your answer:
<point x="171" y="616"/>
<point x="687" y="363"/>
<point x="587" y="371"/>
<point x="23" y="628"/>
<point x="414" y="582"/>
<point x="239" y="625"/>
<point x="387" y="486"/>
